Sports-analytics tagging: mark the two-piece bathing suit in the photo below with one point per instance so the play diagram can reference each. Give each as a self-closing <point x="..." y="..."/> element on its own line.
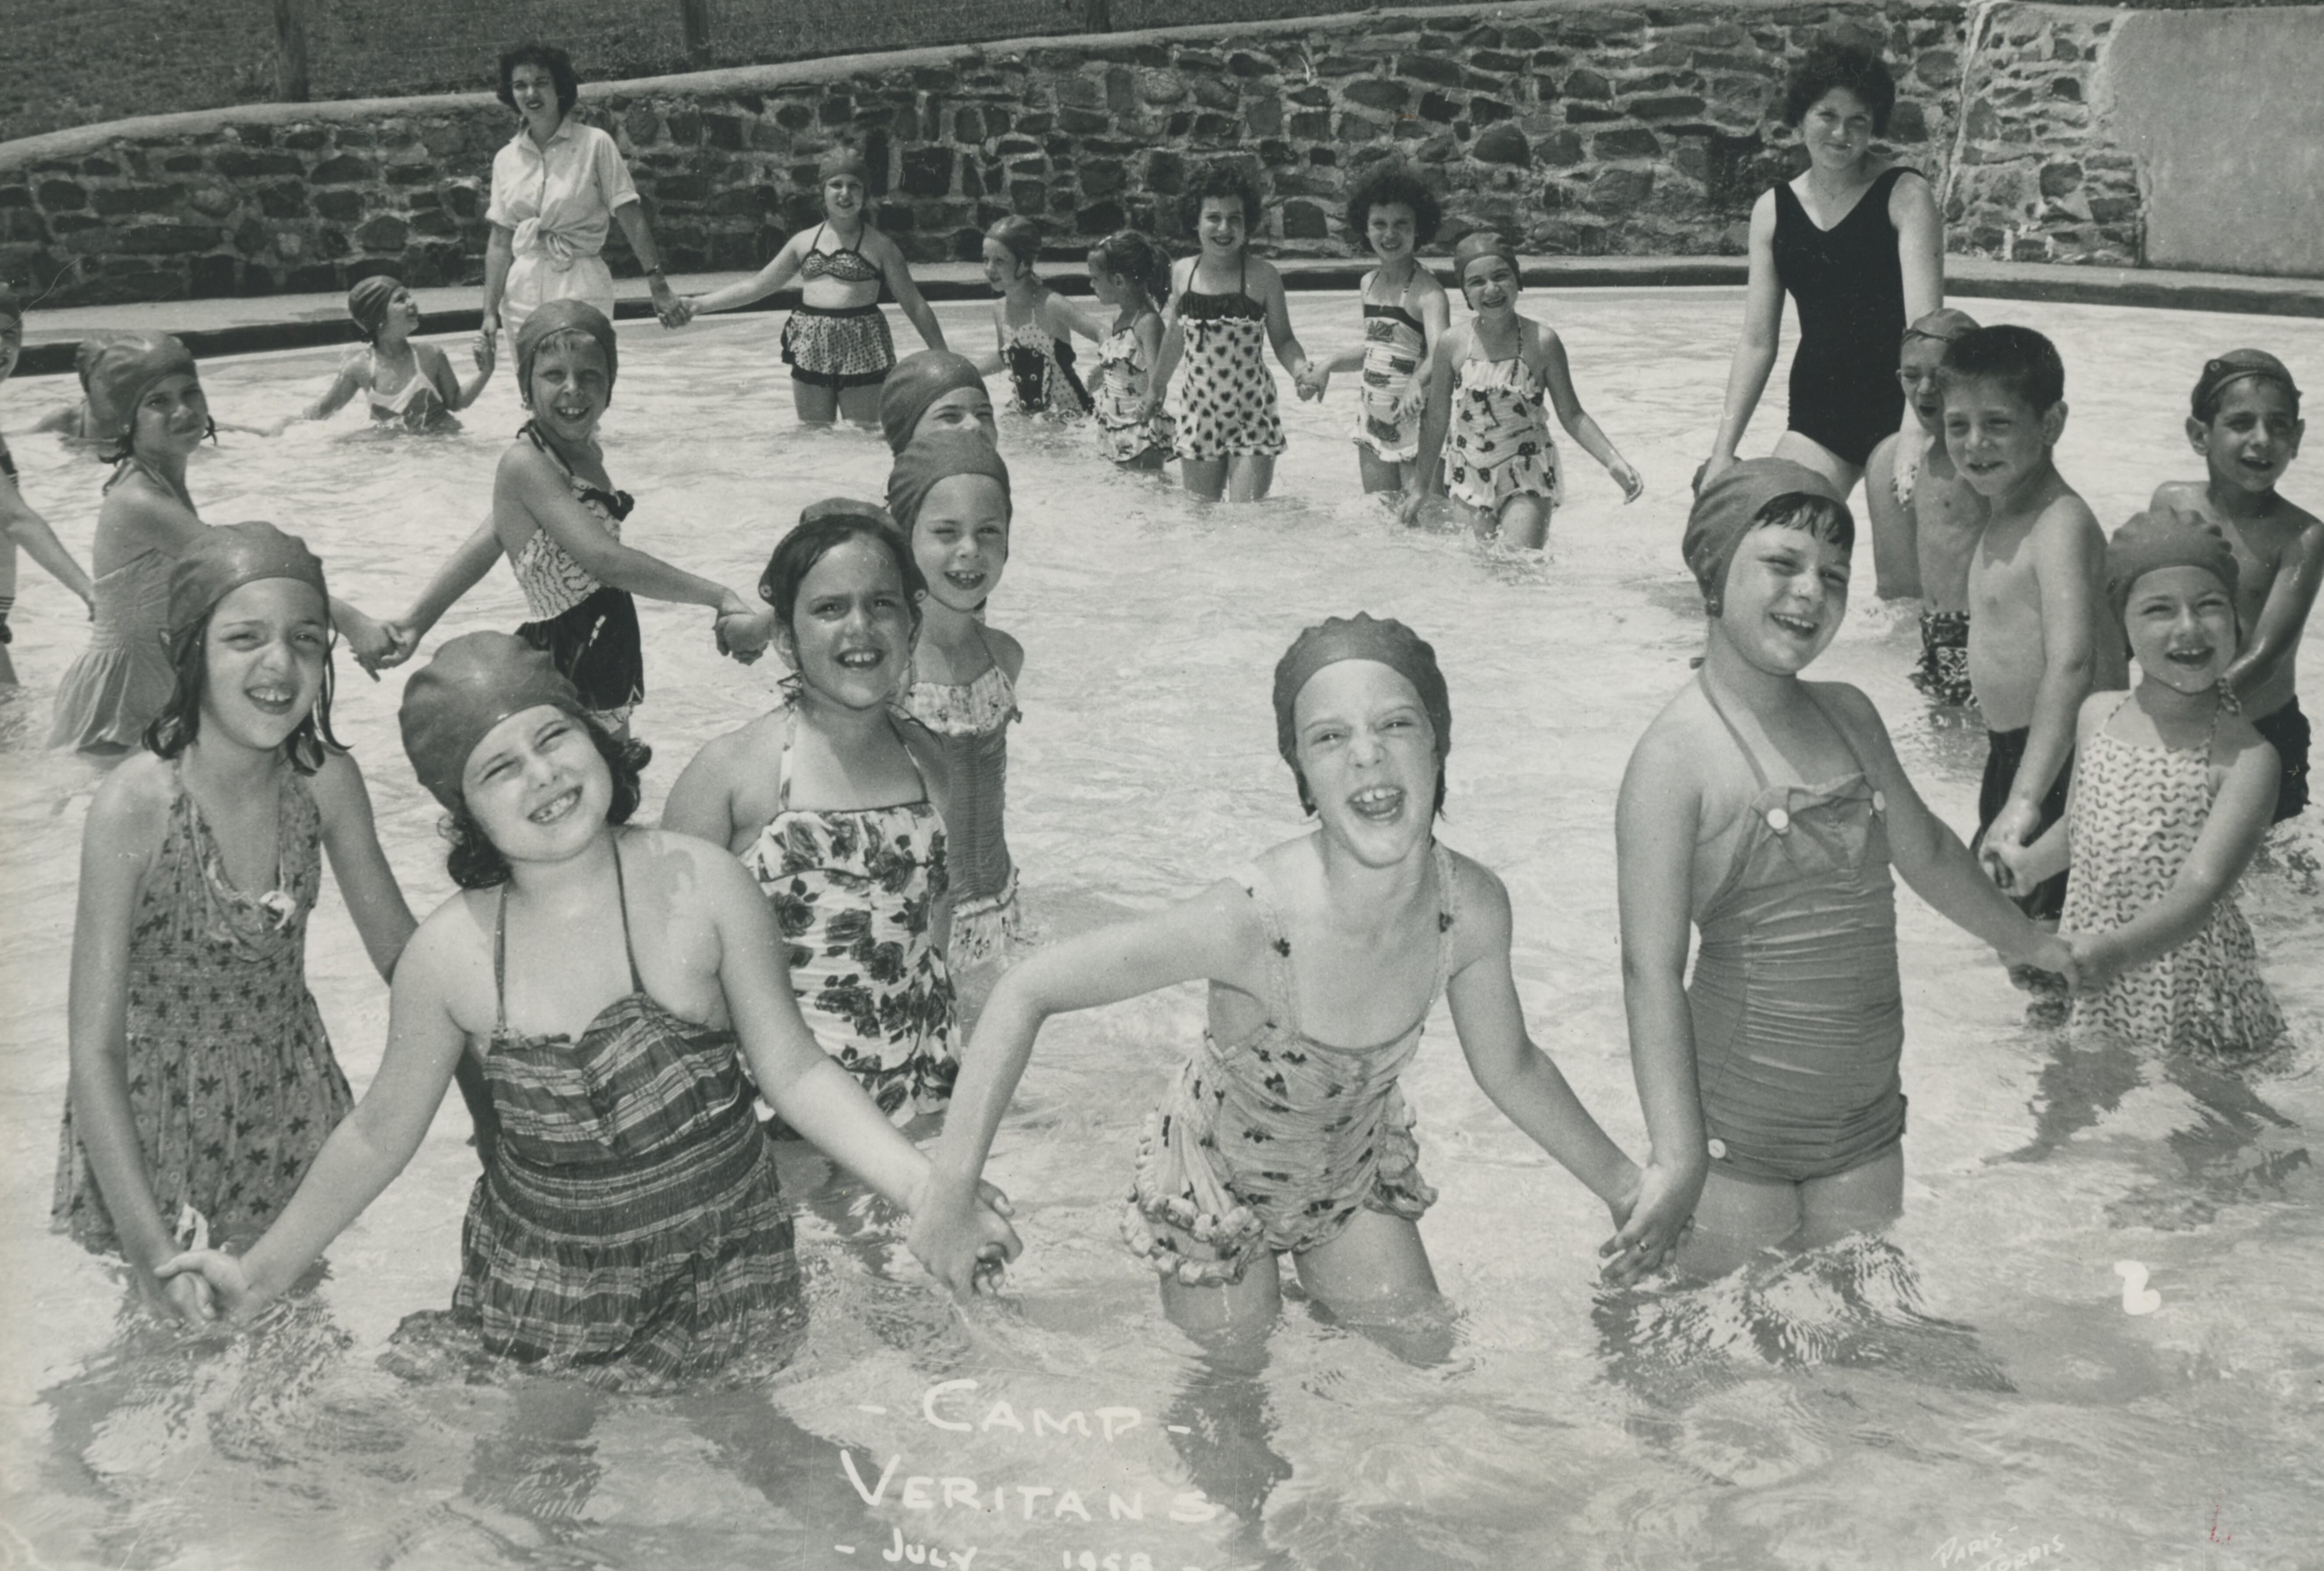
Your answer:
<point x="970" y="723"/>
<point x="1226" y="400"/>
<point x="1849" y="287"/>
<point x="588" y="630"/>
<point x="838" y="346"/>
<point x="1798" y="1013"/>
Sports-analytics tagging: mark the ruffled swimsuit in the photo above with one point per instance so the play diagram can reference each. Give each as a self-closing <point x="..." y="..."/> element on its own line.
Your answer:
<point x="589" y="630"/>
<point x="232" y="1088"/>
<point x="1394" y="341"/>
<point x="1041" y="376"/>
<point x="1501" y="447"/>
<point x="1799" y="1018"/>
<point x="1227" y="404"/>
<point x="123" y="680"/>
<point x="853" y="890"/>
<point x="1124" y="376"/>
<point x="417" y="405"/>
<point x="2135" y="816"/>
<point x="1276" y="1141"/>
<point x="838" y="346"/>
<point x="970" y="721"/>
<point x="629" y="1226"/>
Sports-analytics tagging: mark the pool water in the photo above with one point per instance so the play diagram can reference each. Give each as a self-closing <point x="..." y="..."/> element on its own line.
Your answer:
<point x="1970" y="1392"/>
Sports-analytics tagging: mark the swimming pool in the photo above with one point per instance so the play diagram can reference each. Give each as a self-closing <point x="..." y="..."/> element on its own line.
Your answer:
<point x="1969" y="1393"/>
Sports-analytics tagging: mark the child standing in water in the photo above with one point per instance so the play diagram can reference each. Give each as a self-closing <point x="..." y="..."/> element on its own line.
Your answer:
<point x="202" y="1082"/>
<point x="1489" y="378"/>
<point x="833" y="812"/>
<point x="949" y="493"/>
<point x="935" y="391"/>
<point x="19" y="524"/>
<point x="1405" y="315"/>
<point x="2246" y="425"/>
<point x="627" y="1227"/>
<point x="405" y="384"/>
<point x="2171" y="799"/>
<point x="1130" y="274"/>
<point x="1033" y="325"/>
<point x="1277" y="1137"/>
<point x="1913" y="492"/>
<point x="1766" y="811"/>
<point x="1226" y="306"/>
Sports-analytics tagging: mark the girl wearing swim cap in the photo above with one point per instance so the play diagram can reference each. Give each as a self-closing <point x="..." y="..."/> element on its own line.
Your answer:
<point x="202" y="1081"/>
<point x="612" y="983"/>
<point x="2172" y="795"/>
<point x="836" y="341"/>
<point x="1286" y="1131"/>
<point x="1766" y="812"/>
<point x="932" y="390"/>
<point x="1487" y="385"/>
<point x="19" y="524"/>
<point x="406" y="383"/>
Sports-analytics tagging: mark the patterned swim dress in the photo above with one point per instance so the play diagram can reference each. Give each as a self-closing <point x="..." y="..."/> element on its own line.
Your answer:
<point x="1124" y="375"/>
<point x="1226" y="400"/>
<point x="970" y="723"/>
<point x="1394" y="341"/>
<point x="1501" y="447"/>
<point x="1041" y="376"/>
<point x="588" y="630"/>
<point x="2135" y="816"/>
<point x="233" y="1088"/>
<point x="854" y="891"/>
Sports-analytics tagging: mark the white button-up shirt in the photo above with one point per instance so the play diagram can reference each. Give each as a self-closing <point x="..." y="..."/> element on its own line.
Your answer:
<point x="560" y="199"/>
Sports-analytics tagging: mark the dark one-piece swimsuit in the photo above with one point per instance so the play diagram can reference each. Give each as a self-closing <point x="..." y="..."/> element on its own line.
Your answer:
<point x="1850" y="289"/>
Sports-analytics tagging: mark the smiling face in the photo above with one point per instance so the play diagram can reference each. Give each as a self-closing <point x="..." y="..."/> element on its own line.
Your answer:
<point x="2182" y="622"/>
<point x="1838" y="130"/>
<point x="1490" y="284"/>
<point x="962" y="409"/>
<point x="1786" y="592"/>
<point x="534" y="88"/>
<point x="1221" y="224"/>
<point x="1995" y="436"/>
<point x="960" y="539"/>
<point x="1368" y="756"/>
<point x="538" y="786"/>
<point x="1002" y="267"/>
<point x="570" y="386"/>
<point x="842" y="198"/>
<point x="1104" y="282"/>
<point x="1916" y="374"/>
<point x="2253" y="438"/>
<point x="262" y="661"/>
<point x="1391" y="229"/>
<point x="402" y="318"/>
<point x="850" y="637"/>
<point x="171" y="417"/>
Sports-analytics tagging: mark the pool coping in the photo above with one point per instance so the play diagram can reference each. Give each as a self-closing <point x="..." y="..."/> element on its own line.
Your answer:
<point x="260" y="324"/>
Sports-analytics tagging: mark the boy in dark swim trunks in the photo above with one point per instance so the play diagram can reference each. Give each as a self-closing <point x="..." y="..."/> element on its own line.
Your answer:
<point x="2246" y="425"/>
<point x="1916" y="498"/>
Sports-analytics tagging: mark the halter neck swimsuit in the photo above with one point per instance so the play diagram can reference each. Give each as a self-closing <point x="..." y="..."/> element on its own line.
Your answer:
<point x="1227" y="403"/>
<point x="838" y="346"/>
<point x="417" y="404"/>
<point x="970" y="722"/>
<point x="1849" y="287"/>
<point x="1501" y="445"/>
<point x="1799" y="1019"/>
<point x="589" y="630"/>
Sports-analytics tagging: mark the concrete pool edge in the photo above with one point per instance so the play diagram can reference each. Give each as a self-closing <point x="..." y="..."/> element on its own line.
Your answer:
<point x="264" y="323"/>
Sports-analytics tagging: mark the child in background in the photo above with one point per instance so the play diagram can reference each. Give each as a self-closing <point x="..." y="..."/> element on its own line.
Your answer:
<point x="934" y="391"/>
<point x="19" y="524"/>
<point x="837" y="814"/>
<point x="1130" y="274"/>
<point x="949" y="493"/>
<point x="1766" y="811"/>
<point x="1226" y="306"/>
<point x="92" y="419"/>
<point x="2034" y="606"/>
<point x="406" y="383"/>
<point x="2172" y="796"/>
<point x="1406" y="314"/>
<point x="1033" y="325"/>
<point x="2246" y="425"/>
<point x="1914" y="495"/>
<point x="1489" y="377"/>
<point x="202" y="1081"/>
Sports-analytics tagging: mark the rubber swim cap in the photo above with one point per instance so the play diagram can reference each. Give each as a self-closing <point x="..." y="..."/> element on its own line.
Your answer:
<point x="914" y="384"/>
<point x="224" y="558"/>
<point x="367" y="301"/>
<point x="839" y="161"/>
<point x="1944" y="325"/>
<point x="1360" y="637"/>
<point x="2164" y="537"/>
<point x="1726" y="509"/>
<point x="563" y="316"/>
<point x="2232" y="367"/>
<point x="937" y="456"/>
<point x="1477" y="244"/>
<point x="126" y="369"/>
<point x="474" y="682"/>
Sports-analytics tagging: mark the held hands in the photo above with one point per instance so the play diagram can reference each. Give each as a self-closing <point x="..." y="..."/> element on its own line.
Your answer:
<point x="370" y="641"/>
<point x="963" y="1240"/>
<point x="2092" y="960"/>
<point x="1311" y="379"/>
<point x="1654" y="1219"/>
<point x="742" y="634"/>
<point x="486" y="335"/>
<point x="674" y="310"/>
<point x="212" y="1278"/>
<point x="405" y="638"/>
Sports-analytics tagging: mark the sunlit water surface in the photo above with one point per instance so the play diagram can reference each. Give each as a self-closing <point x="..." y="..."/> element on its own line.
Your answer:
<point x="1972" y="1392"/>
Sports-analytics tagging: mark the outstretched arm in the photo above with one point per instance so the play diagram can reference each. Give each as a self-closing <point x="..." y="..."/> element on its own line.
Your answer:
<point x="462" y="571"/>
<point x="530" y="483"/>
<point x="456" y="394"/>
<point x="374" y="899"/>
<point x="29" y="529"/>
<point x="780" y="270"/>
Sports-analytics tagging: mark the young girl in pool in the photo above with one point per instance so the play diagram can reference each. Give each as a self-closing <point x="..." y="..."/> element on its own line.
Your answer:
<point x="1277" y="1137"/>
<point x="1767" y="811"/>
<point x="1488" y="384"/>
<point x="836" y="341"/>
<point x="1128" y="273"/>
<point x="559" y="519"/>
<point x="949" y="493"/>
<point x="202" y="1081"/>
<point x="2173" y="792"/>
<point x="19" y="524"/>
<point x="935" y="391"/>
<point x="627" y="1227"/>
<point x="1033" y="325"/>
<point x="405" y="383"/>
<point x="1405" y="315"/>
<point x="841" y="821"/>
<point x="120" y="684"/>
<point x="1226" y="306"/>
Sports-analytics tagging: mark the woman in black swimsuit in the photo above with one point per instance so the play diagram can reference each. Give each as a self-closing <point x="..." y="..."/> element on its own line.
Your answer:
<point x="1856" y="243"/>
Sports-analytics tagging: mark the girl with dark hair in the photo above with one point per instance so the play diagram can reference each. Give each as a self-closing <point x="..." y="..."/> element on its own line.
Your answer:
<point x="836" y="805"/>
<point x="202" y="1082"/>
<point x="1131" y="274"/>
<point x="1406" y="316"/>
<point x="1033" y="325"/>
<point x="1857" y="242"/>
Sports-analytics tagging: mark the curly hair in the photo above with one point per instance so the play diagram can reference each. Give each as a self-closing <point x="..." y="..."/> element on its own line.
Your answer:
<point x="173" y="730"/>
<point x="1127" y="254"/>
<point x="2019" y="358"/>
<point x="1832" y="64"/>
<point x="796" y="553"/>
<point x="476" y="862"/>
<point x="1221" y="178"/>
<point x="550" y="58"/>
<point x="1391" y="184"/>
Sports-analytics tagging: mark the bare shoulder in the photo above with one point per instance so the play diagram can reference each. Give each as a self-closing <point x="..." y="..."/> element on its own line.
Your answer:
<point x="1912" y="191"/>
<point x="1763" y="213"/>
<point x="356" y="366"/>
<point x="725" y="757"/>
<point x="1265" y="275"/>
<point x="1481" y="902"/>
<point x="1675" y="738"/>
<point x="338" y="785"/>
<point x="131" y="809"/>
<point x="449" y="959"/>
<point x="1850" y="705"/>
<point x="1007" y="653"/>
<point x="2237" y="740"/>
<point x="2181" y="496"/>
<point x="878" y="246"/>
<point x="674" y="869"/>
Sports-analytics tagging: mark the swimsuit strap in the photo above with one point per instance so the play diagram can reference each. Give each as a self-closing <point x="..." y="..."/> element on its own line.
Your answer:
<point x="1283" y="1002"/>
<point x="619" y="504"/>
<point x="790" y="740"/>
<point x="1855" y="757"/>
<point x="1750" y="757"/>
<point x="1448" y="917"/>
<point x="499" y="943"/>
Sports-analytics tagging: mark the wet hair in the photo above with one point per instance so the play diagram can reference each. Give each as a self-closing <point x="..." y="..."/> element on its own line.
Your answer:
<point x="796" y="553"/>
<point x="173" y="730"/>
<point x="1225" y="180"/>
<point x="476" y="862"/>
<point x="2019" y="358"/>
<point x="1021" y="238"/>
<point x="1831" y="63"/>
<point x="1127" y="254"/>
<point x="125" y="445"/>
<point x="550" y="58"/>
<point x="1391" y="184"/>
<point x="1821" y="516"/>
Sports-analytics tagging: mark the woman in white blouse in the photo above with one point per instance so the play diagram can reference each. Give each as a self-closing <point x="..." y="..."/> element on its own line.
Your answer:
<point x="557" y="185"/>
